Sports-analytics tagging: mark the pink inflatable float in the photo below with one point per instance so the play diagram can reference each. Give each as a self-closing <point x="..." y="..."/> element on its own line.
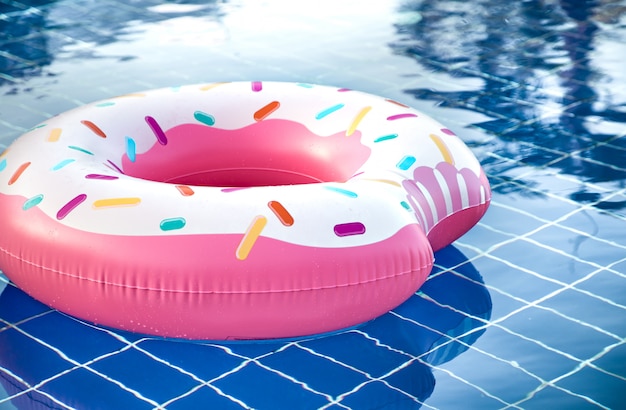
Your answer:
<point x="234" y="210"/>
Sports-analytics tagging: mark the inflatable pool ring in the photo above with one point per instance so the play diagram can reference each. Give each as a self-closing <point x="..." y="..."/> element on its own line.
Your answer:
<point x="234" y="210"/>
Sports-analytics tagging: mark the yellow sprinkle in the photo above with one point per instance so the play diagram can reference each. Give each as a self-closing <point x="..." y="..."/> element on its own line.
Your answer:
<point x="112" y="202"/>
<point x="131" y="95"/>
<point x="54" y="135"/>
<point x="213" y="85"/>
<point x="250" y="237"/>
<point x="357" y="120"/>
<point x="443" y="148"/>
<point x="384" y="181"/>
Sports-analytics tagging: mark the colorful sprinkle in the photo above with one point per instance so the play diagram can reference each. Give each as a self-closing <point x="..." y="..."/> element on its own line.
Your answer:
<point x="396" y="103"/>
<point x="443" y="148"/>
<point x="234" y="189"/>
<point x="18" y="172"/>
<point x="281" y="213"/>
<point x="343" y="90"/>
<point x="405" y="205"/>
<point x="185" y="190"/>
<point x="266" y="110"/>
<point x="406" y="162"/>
<point x="342" y="191"/>
<point x="3" y="164"/>
<point x="157" y="130"/>
<point x="114" y="202"/>
<point x="113" y="166"/>
<point x="70" y="206"/>
<point x="94" y="128"/>
<point x="36" y="127"/>
<point x="34" y="201"/>
<point x="211" y="86"/>
<point x="305" y="85"/>
<point x="83" y="150"/>
<point x="172" y="224"/>
<point x="101" y="177"/>
<point x="386" y="137"/>
<point x="249" y="238"/>
<point x="131" y="95"/>
<point x="131" y="149"/>
<point x="54" y="135"/>
<point x="105" y="104"/>
<point x="355" y="123"/>
<point x="62" y="164"/>
<point x="447" y="131"/>
<point x="204" y="118"/>
<point x="384" y="181"/>
<point x="350" y="228"/>
<point x="400" y="116"/>
<point x="328" y="111"/>
<point x="257" y="86"/>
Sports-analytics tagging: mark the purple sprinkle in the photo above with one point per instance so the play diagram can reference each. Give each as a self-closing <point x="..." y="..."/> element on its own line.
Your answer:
<point x="447" y="131"/>
<point x="118" y="169"/>
<point x="343" y="90"/>
<point x="257" y="86"/>
<point x="156" y="129"/>
<point x="101" y="176"/>
<point x="350" y="228"/>
<point x="69" y="207"/>
<point x="399" y="116"/>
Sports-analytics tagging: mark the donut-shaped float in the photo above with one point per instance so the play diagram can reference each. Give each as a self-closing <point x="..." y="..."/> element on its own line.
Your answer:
<point x="234" y="210"/>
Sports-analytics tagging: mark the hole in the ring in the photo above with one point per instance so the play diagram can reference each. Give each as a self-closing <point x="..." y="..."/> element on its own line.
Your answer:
<point x="270" y="152"/>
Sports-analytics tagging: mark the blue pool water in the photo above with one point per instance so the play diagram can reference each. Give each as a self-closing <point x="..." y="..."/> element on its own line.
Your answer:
<point x="527" y="310"/>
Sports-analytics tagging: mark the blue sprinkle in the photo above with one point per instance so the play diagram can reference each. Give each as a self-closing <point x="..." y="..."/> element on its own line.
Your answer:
<point x="328" y="111"/>
<point x="305" y="85"/>
<point x="131" y="149"/>
<point x="342" y="191"/>
<point x="386" y="137"/>
<point x="62" y="164"/>
<point x="34" y="201"/>
<point x="105" y="104"/>
<point x="3" y="164"/>
<point x="406" y="162"/>
<point x="83" y="150"/>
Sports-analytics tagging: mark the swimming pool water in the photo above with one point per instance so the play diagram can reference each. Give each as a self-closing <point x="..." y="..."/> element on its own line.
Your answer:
<point x="527" y="310"/>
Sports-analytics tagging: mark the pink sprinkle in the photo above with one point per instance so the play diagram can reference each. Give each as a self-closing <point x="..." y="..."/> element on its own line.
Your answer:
<point x="157" y="130"/>
<point x="233" y="189"/>
<point x="399" y="116"/>
<point x="70" y="206"/>
<point x="447" y="131"/>
<point x="350" y="228"/>
<point x="343" y="90"/>
<point x="257" y="86"/>
<point x="101" y="176"/>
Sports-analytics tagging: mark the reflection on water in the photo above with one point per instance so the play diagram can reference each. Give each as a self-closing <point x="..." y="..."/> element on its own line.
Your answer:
<point x="546" y="93"/>
<point x="385" y="363"/>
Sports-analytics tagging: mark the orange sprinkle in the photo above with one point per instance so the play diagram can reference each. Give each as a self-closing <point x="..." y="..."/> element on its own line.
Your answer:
<point x="281" y="213"/>
<point x="397" y="103"/>
<point x="185" y="190"/>
<point x="443" y="148"/>
<point x="384" y="181"/>
<point x="54" y="135"/>
<point x="18" y="172"/>
<point x="266" y="110"/>
<point x="131" y="95"/>
<point x="93" y="127"/>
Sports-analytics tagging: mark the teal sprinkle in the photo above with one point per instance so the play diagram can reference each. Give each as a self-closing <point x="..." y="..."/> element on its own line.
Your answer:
<point x="405" y="205"/>
<point x="386" y="137"/>
<point x="3" y="164"/>
<point x="406" y="162"/>
<point x="74" y="147"/>
<point x="328" y="111"/>
<point x="131" y="149"/>
<point x="342" y="191"/>
<point x="305" y="85"/>
<point x="204" y="118"/>
<point x="172" y="224"/>
<point x="34" y="201"/>
<point x="62" y="164"/>
<point x="37" y="127"/>
<point x="105" y="104"/>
